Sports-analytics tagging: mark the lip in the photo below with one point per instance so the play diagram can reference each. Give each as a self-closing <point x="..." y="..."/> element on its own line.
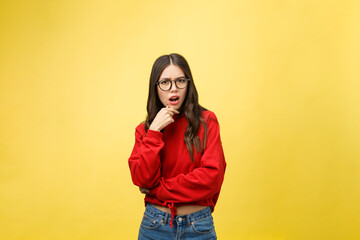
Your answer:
<point x="176" y="102"/>
<point x="173" y="96"/>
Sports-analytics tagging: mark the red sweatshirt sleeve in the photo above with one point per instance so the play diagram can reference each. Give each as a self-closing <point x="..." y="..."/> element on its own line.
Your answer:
<point x="144" y="161"/>
<point x="204" y="181"/>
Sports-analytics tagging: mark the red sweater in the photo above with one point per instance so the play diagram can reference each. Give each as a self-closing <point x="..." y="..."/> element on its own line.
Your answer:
<point x="161" y="162"/>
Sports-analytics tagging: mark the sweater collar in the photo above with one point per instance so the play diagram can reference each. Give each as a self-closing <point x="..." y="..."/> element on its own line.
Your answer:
<point x="177" y="116"/>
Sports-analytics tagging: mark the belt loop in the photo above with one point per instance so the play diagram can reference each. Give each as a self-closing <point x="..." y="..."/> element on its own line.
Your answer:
<point x="166" y="218"/>
<point x="188" y="219"/>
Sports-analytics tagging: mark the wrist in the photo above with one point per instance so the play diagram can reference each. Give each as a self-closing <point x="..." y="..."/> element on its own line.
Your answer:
<point x="153" y="128"/>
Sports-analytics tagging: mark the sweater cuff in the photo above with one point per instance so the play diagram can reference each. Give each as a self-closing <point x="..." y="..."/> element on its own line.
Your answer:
<point x="154" y="134"/>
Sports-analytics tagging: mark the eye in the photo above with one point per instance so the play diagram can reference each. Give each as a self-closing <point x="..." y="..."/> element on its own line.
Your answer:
<point x="181" y="80"/>
<point x="164" y="82"/>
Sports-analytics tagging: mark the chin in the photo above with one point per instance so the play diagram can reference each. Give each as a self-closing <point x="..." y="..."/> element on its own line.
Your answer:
<point x="179" y="107"/>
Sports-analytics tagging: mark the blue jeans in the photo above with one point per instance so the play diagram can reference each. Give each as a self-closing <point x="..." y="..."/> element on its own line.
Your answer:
<point x="195" y="226"/>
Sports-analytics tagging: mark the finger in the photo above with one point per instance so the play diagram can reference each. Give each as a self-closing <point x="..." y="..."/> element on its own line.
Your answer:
<point x="168" y="111"/>
<point x="173" y="110"/>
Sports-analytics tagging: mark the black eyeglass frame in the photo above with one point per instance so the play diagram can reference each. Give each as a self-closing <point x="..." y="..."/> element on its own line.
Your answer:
<point x="187" y="83"/>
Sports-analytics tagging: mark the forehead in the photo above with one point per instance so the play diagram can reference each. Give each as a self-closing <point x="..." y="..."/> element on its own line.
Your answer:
<point x="172" y="71"/>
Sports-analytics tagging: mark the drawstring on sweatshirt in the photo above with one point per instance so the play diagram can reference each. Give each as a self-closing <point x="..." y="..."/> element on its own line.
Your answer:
<point x="173" y="212"/>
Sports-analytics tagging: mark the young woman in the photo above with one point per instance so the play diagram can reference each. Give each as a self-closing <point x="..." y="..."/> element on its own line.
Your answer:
<point x="177" y="160"/>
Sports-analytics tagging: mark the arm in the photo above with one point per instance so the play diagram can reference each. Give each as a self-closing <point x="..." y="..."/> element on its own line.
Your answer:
<point x="144" y="161"/>
<point x="204" y="181"/>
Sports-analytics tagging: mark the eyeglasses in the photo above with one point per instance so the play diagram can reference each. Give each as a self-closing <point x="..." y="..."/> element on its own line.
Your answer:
<point x="166" y="84"/>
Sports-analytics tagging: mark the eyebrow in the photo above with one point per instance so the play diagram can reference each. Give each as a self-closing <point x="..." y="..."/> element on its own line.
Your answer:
<point x="170" y="78"/>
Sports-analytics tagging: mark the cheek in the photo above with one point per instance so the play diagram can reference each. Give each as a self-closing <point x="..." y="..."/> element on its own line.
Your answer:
<point x="183" y="94"/>
<point x="162" y="96"/>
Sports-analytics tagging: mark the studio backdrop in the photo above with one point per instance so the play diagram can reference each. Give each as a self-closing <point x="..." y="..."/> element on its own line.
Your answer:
<point x="281" y="76"/>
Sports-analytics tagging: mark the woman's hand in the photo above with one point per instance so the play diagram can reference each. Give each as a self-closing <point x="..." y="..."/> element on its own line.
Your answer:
<point x="163" y="118"/>
<point x="144" y="190"/>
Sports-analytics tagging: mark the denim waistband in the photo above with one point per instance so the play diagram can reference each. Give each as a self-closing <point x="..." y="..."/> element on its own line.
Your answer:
<point x="166" y="217"/>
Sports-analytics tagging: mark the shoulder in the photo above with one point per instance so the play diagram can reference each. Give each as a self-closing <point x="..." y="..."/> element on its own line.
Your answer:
<point x="210" y="119"/>
<point x="212" y="124"/>
<point x="209" y="116"/>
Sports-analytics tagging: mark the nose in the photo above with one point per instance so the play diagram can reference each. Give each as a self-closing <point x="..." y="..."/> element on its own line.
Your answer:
<point x="173" y="87"/>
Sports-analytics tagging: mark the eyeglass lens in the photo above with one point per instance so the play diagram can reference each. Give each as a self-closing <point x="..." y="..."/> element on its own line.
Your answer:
<point x="166" y="84"/>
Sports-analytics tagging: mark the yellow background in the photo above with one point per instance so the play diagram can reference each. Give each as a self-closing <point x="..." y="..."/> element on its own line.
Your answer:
<point x="282" y="77"/>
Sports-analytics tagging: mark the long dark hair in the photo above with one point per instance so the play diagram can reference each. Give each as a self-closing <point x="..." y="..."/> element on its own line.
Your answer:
<point x="190" y="107"/>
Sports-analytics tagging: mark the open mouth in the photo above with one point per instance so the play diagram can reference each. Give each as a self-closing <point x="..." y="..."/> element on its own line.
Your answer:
<point x="174" y="100"/>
